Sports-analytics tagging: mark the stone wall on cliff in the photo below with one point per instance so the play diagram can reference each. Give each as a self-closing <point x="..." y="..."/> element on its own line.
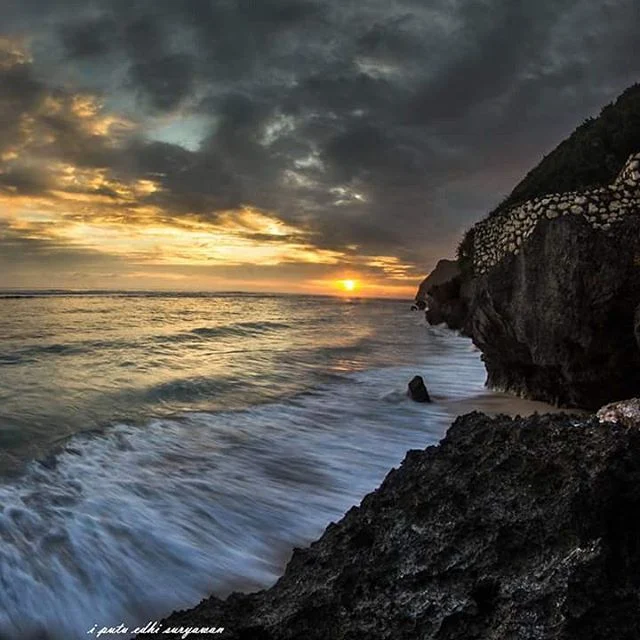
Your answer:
<point x="504" y="234"/>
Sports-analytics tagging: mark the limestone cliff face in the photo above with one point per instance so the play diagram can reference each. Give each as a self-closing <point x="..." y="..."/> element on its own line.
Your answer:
<point x="508" y="529"/>
<point x="556" y="320"/>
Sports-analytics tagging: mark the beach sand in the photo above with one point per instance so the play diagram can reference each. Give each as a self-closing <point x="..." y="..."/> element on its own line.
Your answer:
<point x="495" y="403"/>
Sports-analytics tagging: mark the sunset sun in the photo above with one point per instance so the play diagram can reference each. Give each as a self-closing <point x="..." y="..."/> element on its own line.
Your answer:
<point x="349" y="285"/>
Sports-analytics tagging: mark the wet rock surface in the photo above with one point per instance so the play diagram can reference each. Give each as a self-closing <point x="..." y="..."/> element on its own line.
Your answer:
<point x="448" y="303"/>
<point x="626" y="412"/>
<point x="523" y="529"/>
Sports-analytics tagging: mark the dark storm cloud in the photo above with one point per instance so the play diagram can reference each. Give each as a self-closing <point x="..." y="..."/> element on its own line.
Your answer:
<point x="386" y="124"/>
<point x="144" y="38"/>
<point x="20" y="95"/>
<point x="496" y="41"/>
<point x="24" y="181"/>
<point x="388" y="40"/>
<point x="368" y="153"/>
<point x="93" y="37"/>
<point x="26" y="121"/>
<point x="233" y="38"/>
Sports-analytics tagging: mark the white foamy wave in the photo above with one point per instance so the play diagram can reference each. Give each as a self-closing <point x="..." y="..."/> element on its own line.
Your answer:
<point x="126" y="525"/>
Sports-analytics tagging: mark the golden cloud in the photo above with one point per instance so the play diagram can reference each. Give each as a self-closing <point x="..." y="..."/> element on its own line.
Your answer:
<point x="121" y="227"/>
<point x="91" y="208"/>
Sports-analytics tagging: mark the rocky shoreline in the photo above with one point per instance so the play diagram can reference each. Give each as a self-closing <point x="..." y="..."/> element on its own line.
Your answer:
<point x="509" y="528"/>
<point x="524" y="528"/>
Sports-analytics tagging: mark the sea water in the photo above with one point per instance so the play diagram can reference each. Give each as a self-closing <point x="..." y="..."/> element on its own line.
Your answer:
<point x="156" y="448"/>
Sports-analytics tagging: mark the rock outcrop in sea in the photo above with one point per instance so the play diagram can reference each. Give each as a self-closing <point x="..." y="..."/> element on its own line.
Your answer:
<point x="443" y="293"/>
<point x="524" y="528"/>
<point x="444" y="271"/>
<point x="417" y="390"/>
<point x="550" y="286"/>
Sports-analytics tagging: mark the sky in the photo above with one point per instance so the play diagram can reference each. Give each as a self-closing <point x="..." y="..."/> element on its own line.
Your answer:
<point x="281" y="145"/>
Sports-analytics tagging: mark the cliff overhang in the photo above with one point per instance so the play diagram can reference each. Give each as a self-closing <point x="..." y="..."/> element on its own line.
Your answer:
<point x="551" y="294"/>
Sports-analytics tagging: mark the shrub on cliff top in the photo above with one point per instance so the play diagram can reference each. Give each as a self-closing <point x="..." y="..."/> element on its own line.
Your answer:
<point x="464" y="253"/>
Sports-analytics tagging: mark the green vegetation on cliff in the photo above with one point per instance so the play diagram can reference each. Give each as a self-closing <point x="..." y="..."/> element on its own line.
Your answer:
<point x="592" y="156"/>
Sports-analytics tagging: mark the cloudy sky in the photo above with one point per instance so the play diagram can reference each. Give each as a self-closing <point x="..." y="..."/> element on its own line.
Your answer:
<point x="281" y="145"/>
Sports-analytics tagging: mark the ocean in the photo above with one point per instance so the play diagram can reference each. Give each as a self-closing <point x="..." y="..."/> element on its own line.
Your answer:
<point x="156" y="447"/>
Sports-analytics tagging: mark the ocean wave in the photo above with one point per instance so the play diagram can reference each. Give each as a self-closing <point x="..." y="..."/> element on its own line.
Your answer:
<point x="189" y="389"/>
<point x="126" y="524"/>
<point x="222" y="442"/>
<point x="33" y="353"/>
<point x="79" y="347"/>
<point x="239" y="329"/>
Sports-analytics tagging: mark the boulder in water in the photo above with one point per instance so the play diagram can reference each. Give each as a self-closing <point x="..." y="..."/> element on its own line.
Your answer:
<point x="418" y="390"/>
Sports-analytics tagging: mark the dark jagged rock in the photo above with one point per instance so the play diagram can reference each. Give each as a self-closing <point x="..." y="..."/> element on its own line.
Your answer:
<point x="443" y="295"/>
<point x="625" y="412"/>
<point x="448" y="303"/>
<point x="523" y="528"/>
<point x="555" y="322"/>
<point x="444" y="271"/>
<point x="637" y="325"/>
<point x="418" y="390"/>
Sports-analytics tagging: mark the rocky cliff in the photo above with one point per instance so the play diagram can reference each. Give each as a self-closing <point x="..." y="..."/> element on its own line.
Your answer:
<point x="504" y="234"/>
<point x="555" y="319"/>
<point x="524" y="528"/>
<point x="448" y="303"/>
<point x="444" y="271"/>
<point x="444" y="296"/>
<point x="550" y="285"/>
